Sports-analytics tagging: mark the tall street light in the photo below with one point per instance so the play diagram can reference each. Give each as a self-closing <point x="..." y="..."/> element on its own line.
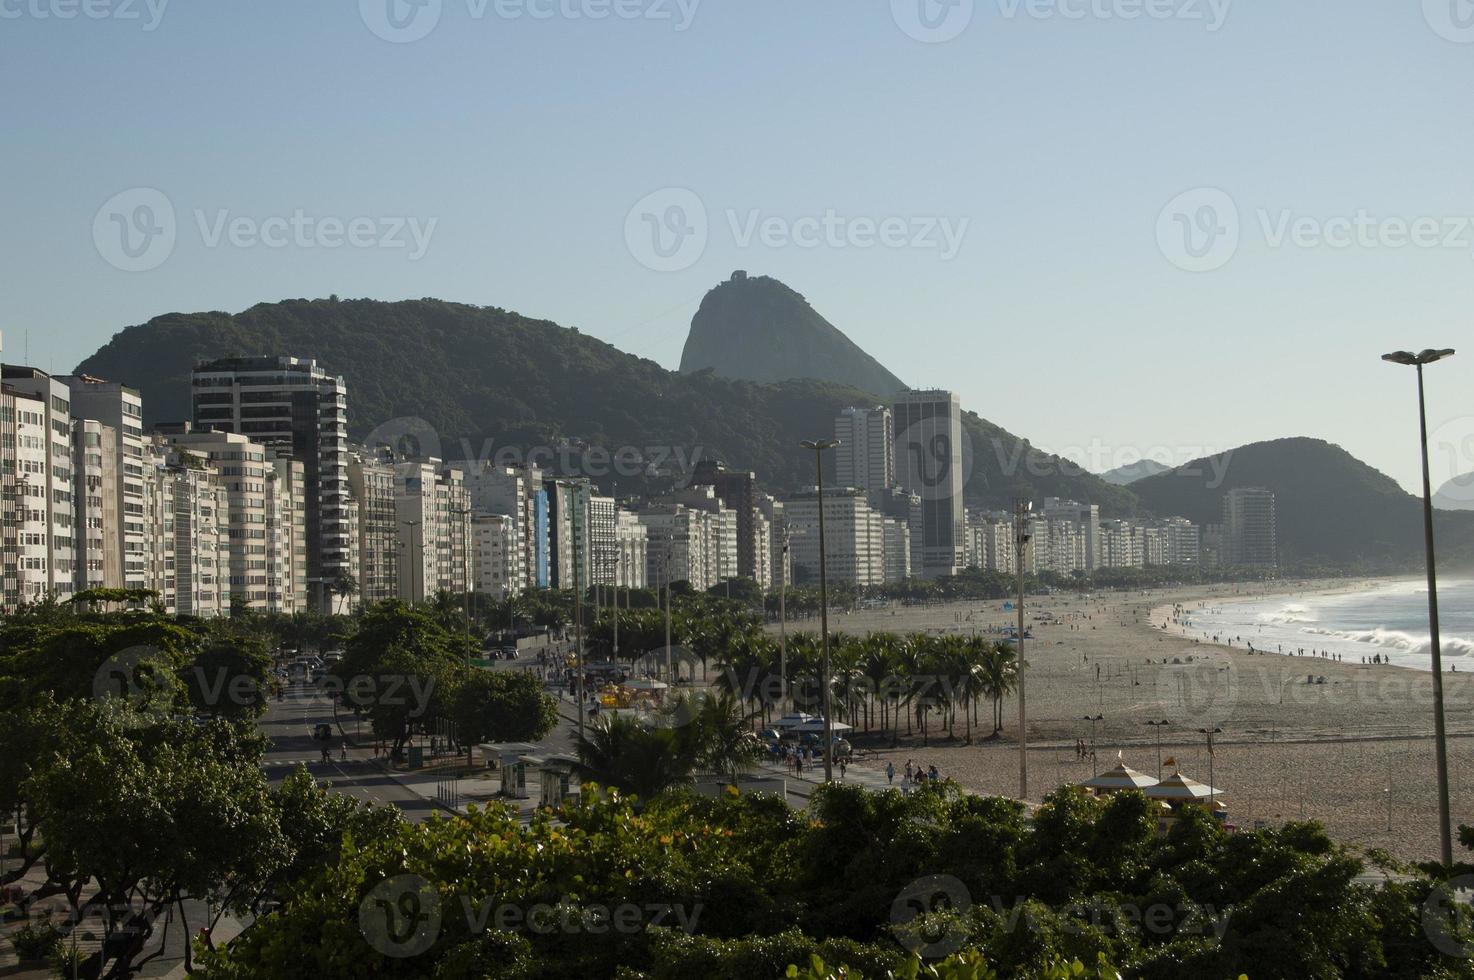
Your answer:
<point x="1445" y="830"/>
<point x="1094" y="720"/>
<point x="1021" y="512"/>
<point x="1159" y="725"/>
<point x="1210" y="732"/>
<point x="818" y="446"/>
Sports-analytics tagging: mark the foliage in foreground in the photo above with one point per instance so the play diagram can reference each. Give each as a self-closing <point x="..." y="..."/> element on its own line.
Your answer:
<point x="745" y="887"/>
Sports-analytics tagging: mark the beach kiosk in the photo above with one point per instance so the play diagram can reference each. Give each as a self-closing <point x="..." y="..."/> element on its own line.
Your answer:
<point x="1117" y="779"/>
<point x="554" y="776"/>
<point x="507" y="758"/>
<point x="1178" y="791"/>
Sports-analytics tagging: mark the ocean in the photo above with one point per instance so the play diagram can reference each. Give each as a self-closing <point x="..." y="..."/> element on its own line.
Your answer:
<point x="1388" y="620"/>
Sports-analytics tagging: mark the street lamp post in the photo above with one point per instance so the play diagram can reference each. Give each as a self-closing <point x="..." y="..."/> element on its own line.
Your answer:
<point x="783" y="624"/>
<point x="1159" y="725"/>
<point x="1094" y="771"/>
<point x="1210" y="732"/>
<point x="1021" y="509"/>
<point x="1445" y="829"/>
<point x="415" y="570"/>
<point x="818" y="446"/>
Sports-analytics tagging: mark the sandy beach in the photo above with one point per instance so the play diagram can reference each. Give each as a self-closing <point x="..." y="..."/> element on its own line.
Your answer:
<point x="1301" y="737"/>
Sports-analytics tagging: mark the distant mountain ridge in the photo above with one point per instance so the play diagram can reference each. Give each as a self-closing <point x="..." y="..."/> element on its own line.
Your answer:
<point x="1123" y="476"/>
<point x="1330" y="506"/>
<point x="487" y="377"/>
<point x="758" y="329"/>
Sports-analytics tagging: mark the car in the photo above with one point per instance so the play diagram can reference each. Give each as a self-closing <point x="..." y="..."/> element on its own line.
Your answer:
<point x="322" y="731"/>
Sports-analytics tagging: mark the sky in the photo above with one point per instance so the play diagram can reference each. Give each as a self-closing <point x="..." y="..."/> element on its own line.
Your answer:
<point x="1120" y="228"/>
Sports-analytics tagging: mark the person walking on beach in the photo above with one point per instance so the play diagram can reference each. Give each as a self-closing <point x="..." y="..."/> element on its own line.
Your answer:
<point x="908" y="771"/>
<point x="890" y="773"/>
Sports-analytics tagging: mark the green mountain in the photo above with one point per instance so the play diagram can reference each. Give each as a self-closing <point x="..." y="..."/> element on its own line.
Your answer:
<point x="1124" y="476"/>
<point x="1329" y="505"/>
<point x="758" y="329"/>
<point x="486" y="378"/>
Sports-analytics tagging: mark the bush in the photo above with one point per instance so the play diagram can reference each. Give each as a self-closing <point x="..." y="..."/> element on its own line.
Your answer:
<point x="36" y="942"/>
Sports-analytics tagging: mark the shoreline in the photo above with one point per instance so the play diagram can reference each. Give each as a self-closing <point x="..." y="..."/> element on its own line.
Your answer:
<point x="1335" y="741"/>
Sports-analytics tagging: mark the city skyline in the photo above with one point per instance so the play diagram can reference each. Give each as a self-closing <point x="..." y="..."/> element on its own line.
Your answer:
<point x="1073" y="245"/>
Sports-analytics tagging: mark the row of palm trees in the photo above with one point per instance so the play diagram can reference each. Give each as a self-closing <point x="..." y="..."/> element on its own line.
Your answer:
<point x="879" y="680"/>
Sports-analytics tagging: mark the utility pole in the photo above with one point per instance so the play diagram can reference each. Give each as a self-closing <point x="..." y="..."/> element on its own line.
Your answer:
<point x="783" y="623"/>
<point x="415" y="570"/>
<point x="818" y="447"/>
<point x="1021" y="510"/>
<point x="670" y="677"/>
<point x="578" y="679"/>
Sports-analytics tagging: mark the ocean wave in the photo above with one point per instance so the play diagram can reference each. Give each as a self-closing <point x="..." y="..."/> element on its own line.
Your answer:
<point x="1453" y="646"/>
<point x="1288" y="615"/>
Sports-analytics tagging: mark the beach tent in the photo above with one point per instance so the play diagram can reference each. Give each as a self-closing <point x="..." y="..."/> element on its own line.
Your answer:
<point x="1119" y="778"/>
<point x="1178" y="788"/>
<point x="817" y="726"/>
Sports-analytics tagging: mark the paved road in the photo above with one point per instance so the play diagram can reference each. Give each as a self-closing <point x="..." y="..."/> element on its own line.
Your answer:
<point x="289" y="725"/>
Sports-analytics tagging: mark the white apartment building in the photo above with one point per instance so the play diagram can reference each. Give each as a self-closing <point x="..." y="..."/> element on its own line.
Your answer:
<point x="49" y="488"/>
<point x="1084" y="516"/>
<point x="854" y="537"/>
<point x="120" y="408"/>
<point x="896" y="547"/>
<point x="191" y="540"/>
<point x="94" y="468"/>
<point x="865" y="457"/>
<point x="495" y="549"/>
<point x="24" y="495"/>
<point x="631" y="542"/>
<point x="677" y="537"/>
<point x="433" y="513"/>
<point x="371" y="484"/>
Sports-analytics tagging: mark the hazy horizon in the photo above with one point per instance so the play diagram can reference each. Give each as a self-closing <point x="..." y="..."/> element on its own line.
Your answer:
<point x="1149" y="227"/>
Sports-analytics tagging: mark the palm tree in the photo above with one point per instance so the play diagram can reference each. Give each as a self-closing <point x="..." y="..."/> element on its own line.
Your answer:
<point x="720" y="732"/>
<point x="345" y="586"/>
<point x="999" y="663"/>
<point x="638" y="759"/>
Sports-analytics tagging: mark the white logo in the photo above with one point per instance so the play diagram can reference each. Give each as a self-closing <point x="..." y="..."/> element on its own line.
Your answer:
<point x="933" y="467"/>
<point x="1198" y="230"/>
<point x="135" y="677"/>
<point x="401" y="916"/>
<point x="135" y="229"/>
<point x="1201" y="693"/>
<point x="1452" y="20"/>
<point x="932" y="21"/>
<point x="1446" y="916"/>
<point x="1451" y="460"/>
<point x="667" y="231"/>
<point x="408" y="437"/>
<point x="400" y="21"/>
<point x="927" y="896"/>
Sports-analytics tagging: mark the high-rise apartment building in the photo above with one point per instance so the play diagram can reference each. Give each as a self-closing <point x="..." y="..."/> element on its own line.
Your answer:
<point x="291" y="403"/>
<point x="49" y="555"/>
<point x="737" y="490"/>
<point x="371" y="483"/>
<point x="929" y="463"/>
<point x="854" y="537"/>
<point x="1250" y="536"/>
<point x="865" y="457"/>
<point x="120" y="408"/>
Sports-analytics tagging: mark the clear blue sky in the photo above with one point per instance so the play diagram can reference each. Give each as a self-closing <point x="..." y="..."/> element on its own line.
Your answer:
<point x="1058" y="139"/>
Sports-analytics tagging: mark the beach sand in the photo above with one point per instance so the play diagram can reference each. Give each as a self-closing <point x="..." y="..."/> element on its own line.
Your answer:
<point x="1288" y="749"/>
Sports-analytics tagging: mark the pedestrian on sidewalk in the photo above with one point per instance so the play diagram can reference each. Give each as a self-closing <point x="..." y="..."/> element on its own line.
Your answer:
<point x="843" y="766"/>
